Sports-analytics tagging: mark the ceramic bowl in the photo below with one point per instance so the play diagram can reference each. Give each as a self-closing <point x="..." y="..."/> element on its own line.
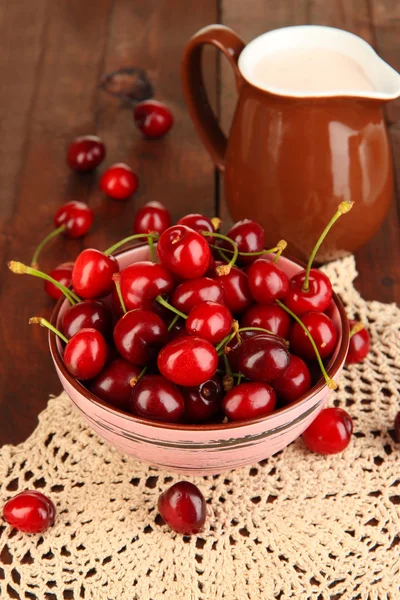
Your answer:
<point x="200" y="449"/>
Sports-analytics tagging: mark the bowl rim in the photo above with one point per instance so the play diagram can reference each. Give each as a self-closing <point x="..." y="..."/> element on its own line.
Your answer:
<point x="332" y="369"/>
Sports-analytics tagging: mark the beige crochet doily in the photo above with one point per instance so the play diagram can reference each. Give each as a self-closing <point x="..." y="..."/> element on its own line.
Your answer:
<point x="296" y="526"/>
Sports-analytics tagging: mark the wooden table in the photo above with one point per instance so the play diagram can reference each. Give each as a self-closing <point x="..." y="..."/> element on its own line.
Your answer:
<point x="52" y="56"/>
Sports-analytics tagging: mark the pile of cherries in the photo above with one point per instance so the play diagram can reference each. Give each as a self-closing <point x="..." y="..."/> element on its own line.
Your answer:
<point x="214" y="331"/>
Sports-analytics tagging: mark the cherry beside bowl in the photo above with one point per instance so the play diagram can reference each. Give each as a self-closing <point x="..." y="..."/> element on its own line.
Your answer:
<point x="201" y="449"/>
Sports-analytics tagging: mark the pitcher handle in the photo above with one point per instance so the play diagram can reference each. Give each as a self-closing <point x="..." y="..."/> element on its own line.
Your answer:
<point x="195" y="93"/>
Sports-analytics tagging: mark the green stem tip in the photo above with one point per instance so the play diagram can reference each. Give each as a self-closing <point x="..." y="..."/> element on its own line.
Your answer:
<point x="44" y="323"/>
<point x="43" y="243"/>
<point x="21" y="269"/>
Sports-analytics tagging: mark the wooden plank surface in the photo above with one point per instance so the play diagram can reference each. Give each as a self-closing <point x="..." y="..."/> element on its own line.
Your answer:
<point x="73" y="46"/>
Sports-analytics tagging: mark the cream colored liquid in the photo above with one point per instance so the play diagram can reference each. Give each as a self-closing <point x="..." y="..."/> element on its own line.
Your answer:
<point x="311" y="69"/>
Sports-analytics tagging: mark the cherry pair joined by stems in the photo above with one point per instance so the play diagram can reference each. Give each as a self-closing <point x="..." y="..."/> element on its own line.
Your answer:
<point x="154" y="119"/>
<point x="30" y="511"/>
<point x="85" y="354"/>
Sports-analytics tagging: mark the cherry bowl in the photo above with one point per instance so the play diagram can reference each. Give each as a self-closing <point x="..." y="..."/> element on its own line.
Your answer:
<point x="209" y="448"/>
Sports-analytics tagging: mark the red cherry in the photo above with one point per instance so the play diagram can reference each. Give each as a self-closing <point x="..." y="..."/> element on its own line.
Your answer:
<point x="184" y="251"/>
<point x="263" y="357"/>
<point x="294" y="382"/>
<point x="210" y="321"/>
<point x="360" y="344"/>
<point x="330" y="432"/>
<point x="233" y="348"/>
<point x="318" y="296"/>
<point x="199" y="223"/>
<point x="88" y="313"/>
<point x="30" y="511"/>
<point x="85" y="153"/>
<point x="269" y="316"/>
<point x="237" y="295"/>
<point x="63" y="274"/>
<point x="249" y="237"/>
<point x="153" y="118"/>
<point x="142" y="282"/>
<point x="92" y="274"/>
<point x="113" y="383"/>
<point x="397" y="427"/>
<point x="153" y="217"/>
<point x="322" y="331"/>
<point x="188" y="361"/>
<point x="267" y="282"/>
<point x="119" y="182"/>
<point x="192" y="292"/>
<point x="203" y="401"/>
<point x="76" y="216"/>
<point x="183" y="508"/>
<point x="248" y="401"/>
<point x="139" y="334"/>
<point x="85" y="354"/>
<point x="154" y="397"/>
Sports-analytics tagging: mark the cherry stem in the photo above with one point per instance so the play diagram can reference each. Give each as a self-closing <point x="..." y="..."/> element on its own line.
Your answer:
<point x="43" y="243"/>
<point x="332" y="385"/>
<point x="227" y="380"/>
<point x="134" y="380"/>
<point x="357" y="327"/>
<point x="116" y="280"/>
<point x="239" y="378"/>
<point x="281" y="246"/>
<point x="174" y="320"/>
<point x="163" y="302"/>
<point x="21" y="269"/>
<point x="150" y="241"/>
<point x="229" y="337"/>
<point x="221" y="253"/>
<point x="44" y="323"/>
<point x="130" y="238"/>
<point x="343" y="208"/>
<point x="276" y="248"/>
<point x="224" y="269"/>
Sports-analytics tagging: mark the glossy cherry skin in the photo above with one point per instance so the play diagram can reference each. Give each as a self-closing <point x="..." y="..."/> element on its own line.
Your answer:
<point x="63" y="274"/>
<point x="85" y="153"/>
<point x="85" y="354"/>
<point x="330" y="432"/>
<point x="113" y="384"/>
<point x="192" y="292"/>
<point x="397" y="427"/>
<point x="232" y="350"/>
<point x="210" y="321"/>
<point x="249" y="400"/>
<point x="237" y="295"/>
<point x="88" y="313"/>
<point x="318" y="297"/>
<point x="154" y="397"/>
<point x="184" y="251"/>
<point x="294" y="382"/>
<point x="267" y="282"/>
<point x="92" y="274"/>
<point x="359" y="346"/>
<point x="188" y="361"/>
<point x="268" y="316"/>
<point x="119" y="182"/>
<point x="263" y="358"/>
<point x="203" y="401"/>
<point x="249" y="237"/>
<point x="183" y="508"/>
<point x="30" y="511"/>
<point x="153" y="217"/>
<point x="199" y="223"/>
<point x="76" y="216"/>
<point x="138" y="335"/>
<point x="322" y="331"/>
<point x="154" y="119"/>
<point x="142" y="282"/>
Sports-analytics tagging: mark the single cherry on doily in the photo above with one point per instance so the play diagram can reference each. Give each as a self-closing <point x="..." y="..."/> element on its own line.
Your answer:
<point x="184" y="251"/>
<point x="63" y="274"/>
<point x="183" y="508"/>
<point x="30" y="511"/>
<point x="155" y="397"/>
<point x="294" y="382"/>
<point x="249" y="400"/>
<point x="311" y="289"/>
<point x="210" y="321"/>
<point x="188" y="361"/>
<point x="85" y="153"/>
<point x="119" y="182"/>
<point x="153" y="118"/>
<point x="330" y="432"/>
<point x="360" y="342"/>
<point x="203" y="401"/>
<point x="113" y="384"/>
<point x="153" y="217"/>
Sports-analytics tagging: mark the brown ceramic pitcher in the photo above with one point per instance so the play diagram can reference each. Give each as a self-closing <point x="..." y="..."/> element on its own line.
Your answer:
<point x="292" y="157"/>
